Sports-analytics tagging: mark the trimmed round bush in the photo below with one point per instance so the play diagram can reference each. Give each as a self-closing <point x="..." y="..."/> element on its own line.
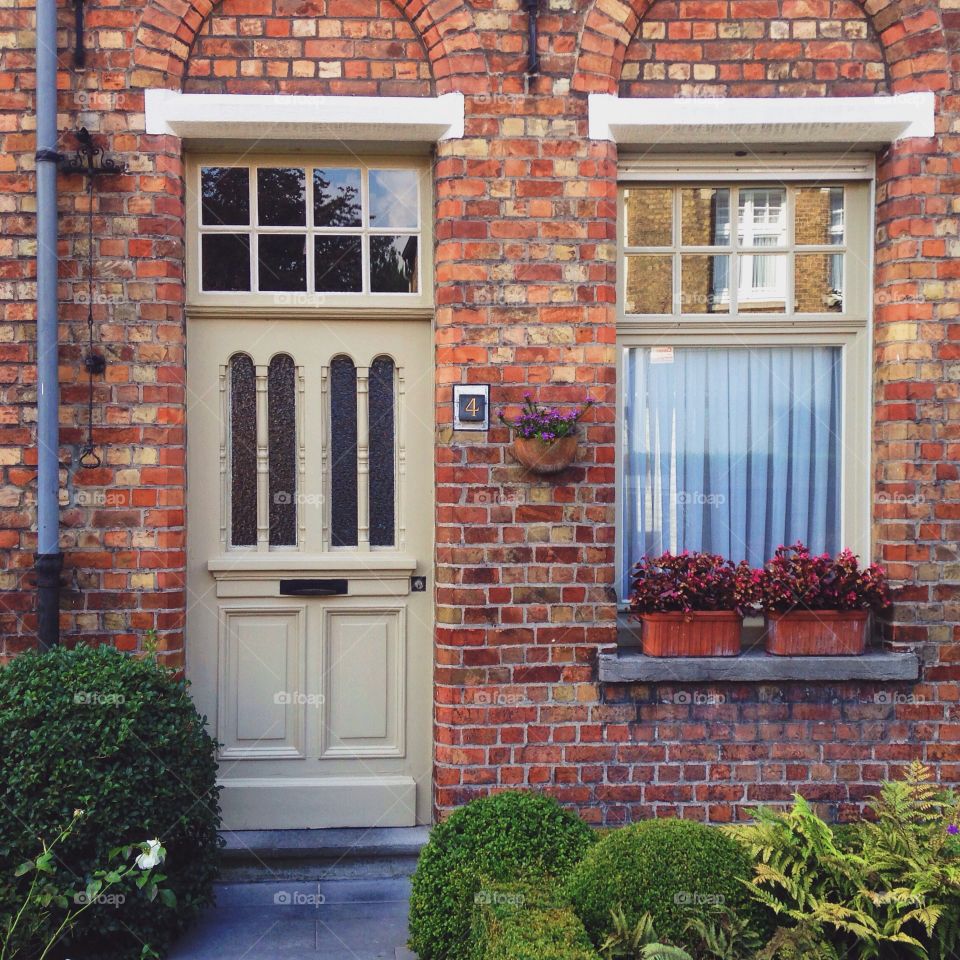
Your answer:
<point x="119" y="738"/>
<point x="672" y="869"/>
<point x="504" y="837"/>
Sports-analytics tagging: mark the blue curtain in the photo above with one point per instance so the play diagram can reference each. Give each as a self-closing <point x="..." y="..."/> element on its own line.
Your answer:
<point x="731" y="450"/>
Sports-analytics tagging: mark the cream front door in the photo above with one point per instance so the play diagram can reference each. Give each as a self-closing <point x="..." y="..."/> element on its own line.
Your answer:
<point x="309" y="622"/>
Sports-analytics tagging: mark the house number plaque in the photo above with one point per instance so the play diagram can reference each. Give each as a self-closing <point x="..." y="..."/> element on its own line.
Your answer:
<point x="471" y="407"/>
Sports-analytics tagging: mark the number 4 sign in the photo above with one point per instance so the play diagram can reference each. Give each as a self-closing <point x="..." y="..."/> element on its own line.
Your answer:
<point x="471" y="407"/>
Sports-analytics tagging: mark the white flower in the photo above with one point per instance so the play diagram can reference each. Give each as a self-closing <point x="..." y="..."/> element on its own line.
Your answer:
<point x="153" y="855"/>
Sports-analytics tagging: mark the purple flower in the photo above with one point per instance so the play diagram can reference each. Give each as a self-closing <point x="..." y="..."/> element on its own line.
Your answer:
<point x="953" y="829"/>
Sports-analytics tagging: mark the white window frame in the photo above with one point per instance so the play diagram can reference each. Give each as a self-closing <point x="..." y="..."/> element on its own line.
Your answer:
<point x="309" y="302"/>
<point x="850" y="330"/>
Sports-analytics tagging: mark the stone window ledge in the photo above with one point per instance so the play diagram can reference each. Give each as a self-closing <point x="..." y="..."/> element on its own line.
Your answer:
<point x="629" y="666"/>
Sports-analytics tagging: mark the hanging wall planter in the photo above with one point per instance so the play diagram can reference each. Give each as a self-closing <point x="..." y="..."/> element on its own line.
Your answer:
<point x="545" y="438"/>
<point x="545" y="456"/>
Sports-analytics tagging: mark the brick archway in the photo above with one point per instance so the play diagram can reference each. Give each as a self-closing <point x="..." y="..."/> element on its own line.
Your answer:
<point x="168" y="29"/>
<point x="910" y="31"/>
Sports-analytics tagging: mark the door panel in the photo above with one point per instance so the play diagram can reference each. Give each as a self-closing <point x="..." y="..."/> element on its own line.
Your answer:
<point x="310" y="460"/>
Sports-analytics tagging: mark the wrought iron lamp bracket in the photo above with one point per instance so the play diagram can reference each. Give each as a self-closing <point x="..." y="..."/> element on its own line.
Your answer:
<point x="90" y="160"/>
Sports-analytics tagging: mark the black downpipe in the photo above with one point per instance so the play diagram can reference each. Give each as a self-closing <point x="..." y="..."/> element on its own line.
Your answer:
<point x="533" y="57"/>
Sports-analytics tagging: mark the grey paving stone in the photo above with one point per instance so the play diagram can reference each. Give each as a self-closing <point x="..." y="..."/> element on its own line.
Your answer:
<point x="331" y="920"/>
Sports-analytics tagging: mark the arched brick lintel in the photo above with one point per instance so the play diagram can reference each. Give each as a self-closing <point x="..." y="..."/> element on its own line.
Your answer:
<point x="911" y="32"/>
<point x="168" y="29"/>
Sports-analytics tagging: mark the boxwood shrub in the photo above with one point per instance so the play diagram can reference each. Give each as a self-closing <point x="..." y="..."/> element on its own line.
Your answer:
<point x="672" y="869"/>
<point x="118" y="737"/>
<point x="522" y="921"/>
<point x="504" y="837"/>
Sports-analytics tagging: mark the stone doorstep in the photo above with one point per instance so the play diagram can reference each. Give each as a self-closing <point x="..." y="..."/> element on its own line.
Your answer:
<point x="344" y="853"/>
<point x="758" y="667"/>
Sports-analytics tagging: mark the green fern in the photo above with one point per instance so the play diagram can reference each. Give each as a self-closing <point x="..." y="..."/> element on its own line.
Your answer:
<point x="637" y="942"/>
<point x="725" y="937"/>
<point x="890" y="894"/>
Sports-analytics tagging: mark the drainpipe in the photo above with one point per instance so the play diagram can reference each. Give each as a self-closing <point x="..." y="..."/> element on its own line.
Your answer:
<point x="49" y="559"/>
<point x="533" y="55"/>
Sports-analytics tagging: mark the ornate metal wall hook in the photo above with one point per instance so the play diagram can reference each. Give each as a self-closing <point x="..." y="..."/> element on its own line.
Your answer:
<point x="90" y="159"/>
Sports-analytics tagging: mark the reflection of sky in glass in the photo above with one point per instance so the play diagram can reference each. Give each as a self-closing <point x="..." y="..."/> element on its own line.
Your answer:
<point x="336" y="197"/>
<point x="393" y="198"/>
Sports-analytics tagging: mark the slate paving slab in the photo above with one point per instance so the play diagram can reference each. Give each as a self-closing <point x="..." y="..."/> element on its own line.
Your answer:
<point x="329" y="920"/>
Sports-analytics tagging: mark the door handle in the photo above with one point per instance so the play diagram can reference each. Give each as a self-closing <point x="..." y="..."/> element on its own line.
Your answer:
<point x="313" y="588"/>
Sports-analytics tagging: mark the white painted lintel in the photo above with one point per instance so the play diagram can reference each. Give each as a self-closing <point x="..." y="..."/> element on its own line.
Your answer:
<point x="761" y="121"/>
<point x="221" y="116"/>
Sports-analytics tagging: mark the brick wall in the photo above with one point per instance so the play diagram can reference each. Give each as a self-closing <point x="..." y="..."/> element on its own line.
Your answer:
<point x="358" y="47"/>
<point x="754" y="48"/>
<point x="525" y="288"/>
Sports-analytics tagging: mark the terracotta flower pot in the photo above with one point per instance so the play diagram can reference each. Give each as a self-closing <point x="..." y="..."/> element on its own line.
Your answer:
<point x="706" y="633"/>
<point x="817" y="633"/>
<point x="542" y="456"/>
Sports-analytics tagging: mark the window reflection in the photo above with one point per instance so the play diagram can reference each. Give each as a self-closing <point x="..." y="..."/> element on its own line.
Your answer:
<point x="281" y="197"/>
<point x="336" y="198"/>
<point x="394" y="198"/>
<point x="393" y="265"/>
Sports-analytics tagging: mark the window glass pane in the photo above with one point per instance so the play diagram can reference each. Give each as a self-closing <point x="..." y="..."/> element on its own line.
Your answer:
<point x="393" y="264"/>
<point x="818" y="283"/>
<point x="382" y="459"/>
<point x="338" y="264"/>
<point x="282" y="261"/>
<point x="243" y="452"/>
<point x="762" y="217"/>
<point x="705" y="216"/>
<point x="282" y="445"/>
<point x="394" y="198"/>
<point x="225" y="196"/>
<point x="336" y="197"/>
<point x="649" y="216"/>
<point x="649" y="284"/>
<point x="226" y="261"/>
<point x="763" y="283"/>
<point x="733" y="450"/>
<point x="281" y="197"/>
<point x="705" y="283"/>
<point x="343" y="452"/>
<point x="819" y="215"/>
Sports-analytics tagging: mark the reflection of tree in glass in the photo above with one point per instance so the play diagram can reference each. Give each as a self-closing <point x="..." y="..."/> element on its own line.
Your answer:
<point x="393" y="267"/>
<point x="335" y="209"/>
<point x="338" y="264"/>
<point x="225" y="195"/>
<point x="282" y="195"/>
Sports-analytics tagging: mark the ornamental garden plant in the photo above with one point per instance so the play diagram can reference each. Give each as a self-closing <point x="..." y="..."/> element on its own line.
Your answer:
<point x="819" y="605"/>
<point x="117" y="737"/>
<point x="693" y="604"/>
<point x="545" y="438"/>
<point x="787" y="886"/>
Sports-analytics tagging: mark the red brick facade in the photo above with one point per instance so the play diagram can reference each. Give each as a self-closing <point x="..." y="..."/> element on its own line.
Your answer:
<point x="525" y="227"/>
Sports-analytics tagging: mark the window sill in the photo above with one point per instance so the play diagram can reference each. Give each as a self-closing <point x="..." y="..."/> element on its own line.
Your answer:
<point x="755" y="666"/>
